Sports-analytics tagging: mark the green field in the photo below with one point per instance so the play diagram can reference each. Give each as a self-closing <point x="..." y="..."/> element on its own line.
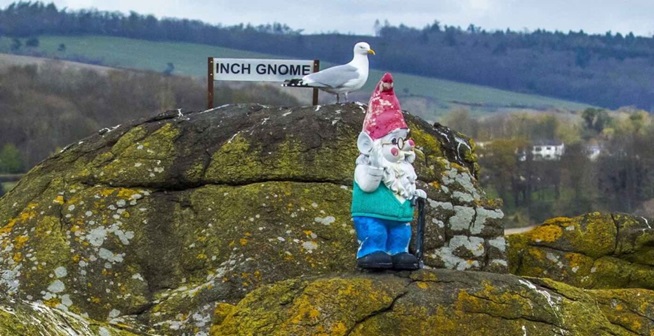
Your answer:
<point x="191" y="59"/>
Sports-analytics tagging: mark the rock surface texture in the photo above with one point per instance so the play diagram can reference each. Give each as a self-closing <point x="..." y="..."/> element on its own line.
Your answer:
<point x="236" y="221"/>
<point x="163" y="225"/>
<point x="431" y="302"/>
<point x="595" y="250"/>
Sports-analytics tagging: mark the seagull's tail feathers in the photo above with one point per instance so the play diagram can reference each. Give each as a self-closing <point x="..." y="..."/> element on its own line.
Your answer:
<point x="295" y="82"/>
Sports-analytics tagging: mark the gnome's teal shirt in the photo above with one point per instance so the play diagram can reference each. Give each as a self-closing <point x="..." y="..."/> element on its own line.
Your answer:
<point x="380" y="203"/>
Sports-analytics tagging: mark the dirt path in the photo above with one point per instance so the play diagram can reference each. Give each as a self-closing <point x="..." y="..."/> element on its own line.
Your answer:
<point x="518" y="230"/>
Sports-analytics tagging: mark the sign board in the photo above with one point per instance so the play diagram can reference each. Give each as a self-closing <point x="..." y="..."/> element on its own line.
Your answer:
<point x="258" y="70"/>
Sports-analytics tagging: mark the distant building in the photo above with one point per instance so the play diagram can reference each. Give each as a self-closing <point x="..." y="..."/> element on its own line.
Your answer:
<point x="547" y="151"/>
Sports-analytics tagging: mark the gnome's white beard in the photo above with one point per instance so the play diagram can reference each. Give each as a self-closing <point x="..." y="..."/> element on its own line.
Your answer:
<point x="399" y="177"/>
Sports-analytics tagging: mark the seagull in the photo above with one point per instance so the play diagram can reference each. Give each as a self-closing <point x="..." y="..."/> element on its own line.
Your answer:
<point x="341" y="78"/>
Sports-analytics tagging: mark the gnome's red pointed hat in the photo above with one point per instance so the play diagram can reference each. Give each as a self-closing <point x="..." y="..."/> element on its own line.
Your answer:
<point x="384" y="113"/>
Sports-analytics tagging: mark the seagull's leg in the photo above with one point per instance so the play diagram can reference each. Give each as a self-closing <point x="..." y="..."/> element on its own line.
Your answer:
<point x="338" y="98"/>
<point x="346" y="97"/>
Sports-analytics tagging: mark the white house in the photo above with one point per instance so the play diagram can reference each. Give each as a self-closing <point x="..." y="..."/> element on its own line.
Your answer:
<point x="548" y="151"/>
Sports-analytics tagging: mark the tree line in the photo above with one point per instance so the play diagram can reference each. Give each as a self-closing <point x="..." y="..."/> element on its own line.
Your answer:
<point x="46" y="107"/>
<point x="610" y="70"/>
<point x="606" y="166"/>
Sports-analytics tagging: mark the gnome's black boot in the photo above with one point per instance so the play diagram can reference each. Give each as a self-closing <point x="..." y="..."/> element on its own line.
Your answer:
<point x="405" y="261"/>
<point x="375" y="260"/>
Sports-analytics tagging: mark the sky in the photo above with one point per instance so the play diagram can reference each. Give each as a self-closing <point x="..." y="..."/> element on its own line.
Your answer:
<point x="358" y="16"/>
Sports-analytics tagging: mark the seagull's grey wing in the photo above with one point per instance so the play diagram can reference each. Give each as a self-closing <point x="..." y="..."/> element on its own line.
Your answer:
<point x="334" y="77"/>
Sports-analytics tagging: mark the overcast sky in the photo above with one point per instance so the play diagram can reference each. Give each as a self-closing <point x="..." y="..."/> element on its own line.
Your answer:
<point x="358" y="17"/>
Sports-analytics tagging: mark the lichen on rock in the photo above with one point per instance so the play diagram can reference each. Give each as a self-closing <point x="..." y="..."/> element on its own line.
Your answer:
<point x="428" y="302"/>
<point x="595" y="250"/>
<point x="153" y="224"/>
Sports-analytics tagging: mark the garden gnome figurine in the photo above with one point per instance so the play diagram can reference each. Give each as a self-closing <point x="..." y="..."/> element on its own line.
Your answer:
<point x="384" y="192"/>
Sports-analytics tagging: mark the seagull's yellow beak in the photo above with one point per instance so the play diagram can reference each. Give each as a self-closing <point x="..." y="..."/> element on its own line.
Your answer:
<point x="371" y="51"/>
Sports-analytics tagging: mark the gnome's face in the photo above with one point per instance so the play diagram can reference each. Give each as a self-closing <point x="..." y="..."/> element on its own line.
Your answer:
<point x="396" y="146"/>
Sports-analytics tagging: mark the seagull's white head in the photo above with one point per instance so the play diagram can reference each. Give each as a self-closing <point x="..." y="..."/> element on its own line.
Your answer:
<point x="363" y="48"/>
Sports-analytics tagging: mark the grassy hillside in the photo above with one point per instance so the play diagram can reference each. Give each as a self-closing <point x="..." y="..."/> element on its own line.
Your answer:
<point x="432" y="97"/>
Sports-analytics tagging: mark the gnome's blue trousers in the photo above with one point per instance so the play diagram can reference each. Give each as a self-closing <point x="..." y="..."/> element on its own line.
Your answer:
<point x="375" y="234"/>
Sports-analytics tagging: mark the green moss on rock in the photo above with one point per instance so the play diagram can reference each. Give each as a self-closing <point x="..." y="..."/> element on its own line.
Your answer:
<point x="153" y="225"/>
<point x="440" y="303"/>
<point x="595" y="250"/>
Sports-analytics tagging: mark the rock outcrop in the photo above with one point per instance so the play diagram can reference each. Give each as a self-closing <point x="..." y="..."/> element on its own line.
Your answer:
<point x="596" y="250"/>
<point x="152" y="225"/>
<point x="432" y="302"/>
<point x="235" y="221"/>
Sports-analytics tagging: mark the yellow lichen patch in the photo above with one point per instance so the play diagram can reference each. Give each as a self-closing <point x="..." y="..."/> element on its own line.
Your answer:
<point x="628" y="308"/>
<point x="58" y="200"/>
<point x="435" y="184"/>
<point x="52" y="303"/>
<point x="127" y="194"/>
<point x="561" y="221"/>
<point x="422" y="285"/>
<point x="491" y="300"/>
<point x="123" y="193"/>
<point x="20" y="241"/>
<point x="107" y="191"/>
<point x="18" y="257"/>
<point x="339" y="328"/>
<point x="222" y="311"/>
<point x="243" y="241"/>
<point x="545" y="233"/>
<point x="24" y="216"/>
<point x="305" y="313"/>
<point x="577" y="261"/>
<point x="423" y="275"/>
<point x="533" y="261"/>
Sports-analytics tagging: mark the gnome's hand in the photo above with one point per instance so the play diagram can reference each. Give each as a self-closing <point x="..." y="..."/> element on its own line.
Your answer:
<point x="410" y="157"/>
<point x="375" y="159"/>
<point x="368" y="177"/>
